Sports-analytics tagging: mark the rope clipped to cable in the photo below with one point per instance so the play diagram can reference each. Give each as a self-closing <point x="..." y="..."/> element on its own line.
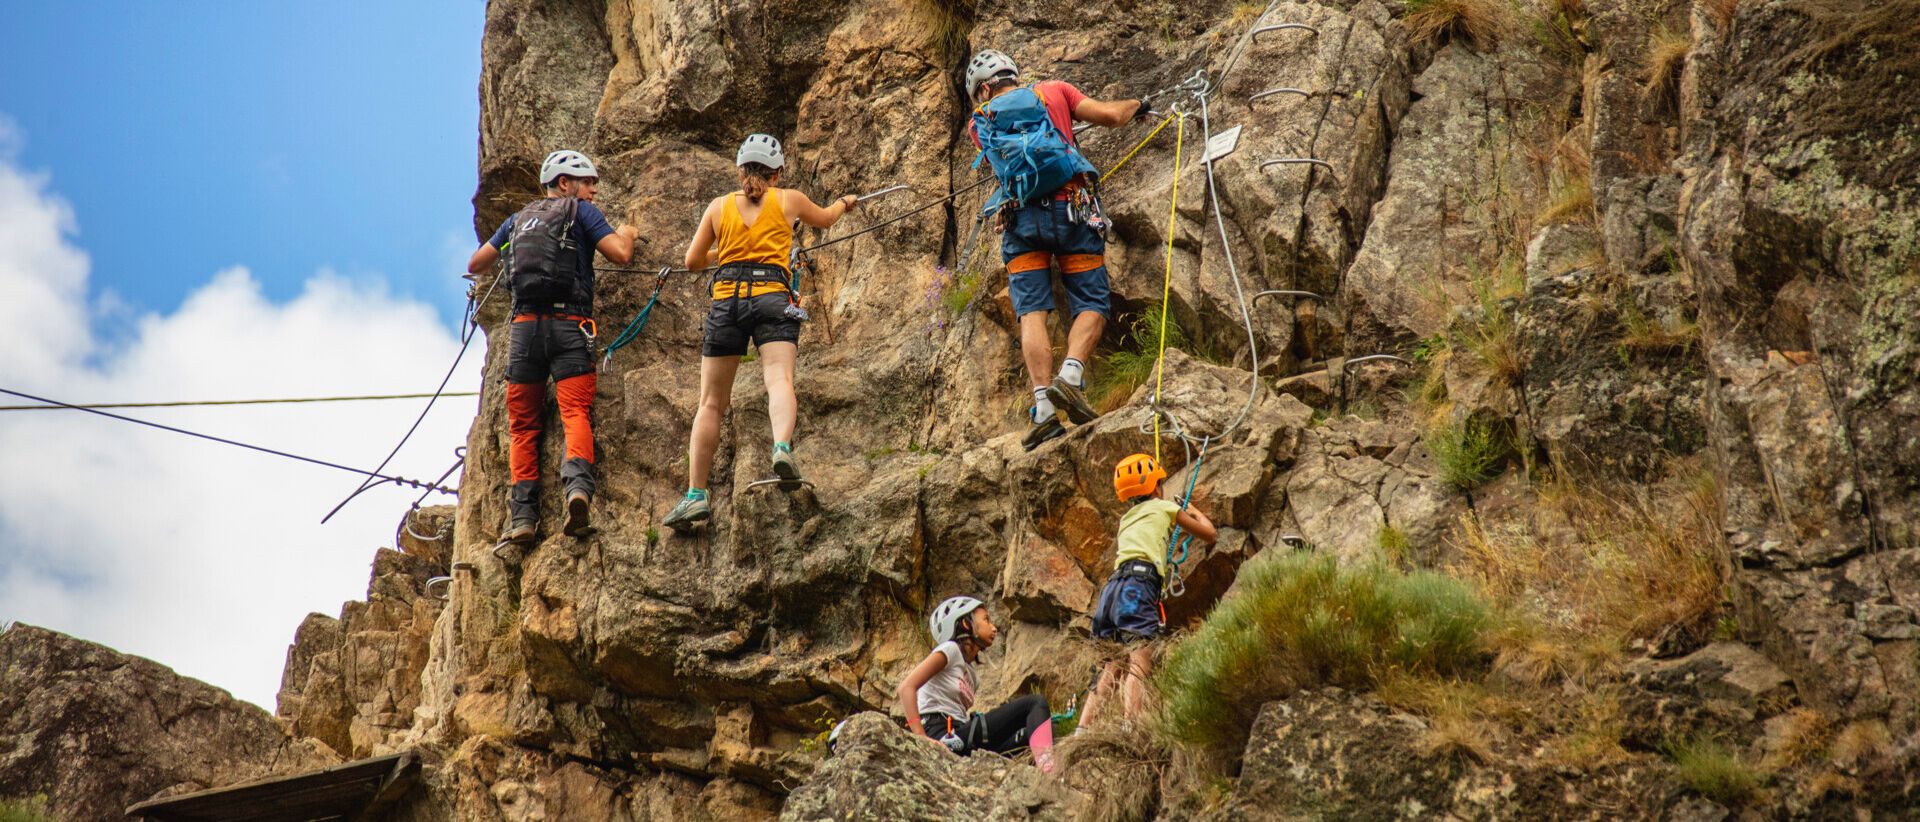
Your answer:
<point x="639" y="323"/>
<point x="1177" y="541"/>
<point x="1166" y="285"/>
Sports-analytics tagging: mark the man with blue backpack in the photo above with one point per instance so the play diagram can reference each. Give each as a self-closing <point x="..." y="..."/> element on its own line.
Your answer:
<point x="1049" y="215"/>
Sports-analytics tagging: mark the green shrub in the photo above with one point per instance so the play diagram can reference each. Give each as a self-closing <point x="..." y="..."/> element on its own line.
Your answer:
<point x="1124" y="371"/>
<point x="1714" y="770"/>
<point x="25" y="809"/>
<point x="1468" y="453"/>
<point x="1303" y="620"/>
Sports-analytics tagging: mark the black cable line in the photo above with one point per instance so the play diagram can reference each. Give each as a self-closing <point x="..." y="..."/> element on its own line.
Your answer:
<point x="433" y="486"/>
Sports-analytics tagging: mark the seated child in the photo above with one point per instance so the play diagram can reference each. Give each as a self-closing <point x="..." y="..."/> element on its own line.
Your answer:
<point x="937" y="694"/>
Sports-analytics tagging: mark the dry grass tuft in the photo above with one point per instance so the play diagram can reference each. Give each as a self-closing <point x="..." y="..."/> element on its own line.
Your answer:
<point x="1121" y="767"/>
<point x="1483" y="23"/>
<point x="1670" y="334"/>
<point x="1805" y="738"/>
<point x="1594" y="567"/>
<point x="1861" y="743"/>
<point x="1722" y="11"/>
<point x="1666" y="56"/>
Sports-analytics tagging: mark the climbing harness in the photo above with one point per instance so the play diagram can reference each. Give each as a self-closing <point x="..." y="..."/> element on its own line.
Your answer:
<point x="639" y="323"/>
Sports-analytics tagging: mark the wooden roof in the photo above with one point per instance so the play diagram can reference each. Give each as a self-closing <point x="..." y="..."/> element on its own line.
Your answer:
<point x="356" y="790"/>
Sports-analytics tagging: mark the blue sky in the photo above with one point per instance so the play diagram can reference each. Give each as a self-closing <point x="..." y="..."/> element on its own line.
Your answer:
<point x="191" y="135"/>
<point x="227" y="200"/>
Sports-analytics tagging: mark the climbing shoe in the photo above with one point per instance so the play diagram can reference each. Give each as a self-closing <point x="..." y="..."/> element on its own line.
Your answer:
<point x="784" y="465"/>
<point x="690" y="511"/>
<point x="578" y="502"/>
<point x="1042" y="432"/>
<point x="1067" y="397"/>
<point x="521" y="532"/>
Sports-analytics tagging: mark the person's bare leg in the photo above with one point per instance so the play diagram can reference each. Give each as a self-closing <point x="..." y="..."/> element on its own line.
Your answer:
<point x="1139" y="667"/>
<point x="716" y="392"/>
<point x="783" y="410"/>
<point x="1083" y="336"/>
<point x="1036" y="347"/>
<point x="1110" y="678"/>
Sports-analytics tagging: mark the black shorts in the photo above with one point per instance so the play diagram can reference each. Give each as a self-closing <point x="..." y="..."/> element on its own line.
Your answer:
<point x="546" y="345"/>
<point x="733" y="321"/>
<point x="1129" y="606"/>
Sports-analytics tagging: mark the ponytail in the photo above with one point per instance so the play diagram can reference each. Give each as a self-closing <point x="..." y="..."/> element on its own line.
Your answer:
<point x="755" y="179"/>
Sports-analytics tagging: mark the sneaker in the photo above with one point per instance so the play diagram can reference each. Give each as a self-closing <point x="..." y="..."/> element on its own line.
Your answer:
<point x="577" y="504"/>
<point x="1043" y="431"/>
<point x="684" y="516"/>
<point x="521" y="532"/>
<point x="784" y="465"/>
<point x="1068" y="397"/>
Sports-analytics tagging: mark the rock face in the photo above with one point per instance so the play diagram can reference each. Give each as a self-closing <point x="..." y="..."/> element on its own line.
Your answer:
<point x="1613" y="257"/>
<point x="1798" y="215"/>
<point x="1333" y="755"/>
<point x="94" y="730"/>
<point x="920" y="781"/>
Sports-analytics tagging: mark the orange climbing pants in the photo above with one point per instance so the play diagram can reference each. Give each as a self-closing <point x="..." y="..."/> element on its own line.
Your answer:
<point x="543" y="345"/>
<point x="525" y="401"/>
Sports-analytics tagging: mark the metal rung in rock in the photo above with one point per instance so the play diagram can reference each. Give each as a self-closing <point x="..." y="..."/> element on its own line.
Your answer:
<point x="445" y="582"/>
<point x="1282" y="90"/>
<point x="1288" y="292"/>
<point x="785" y="485"/>
<point x="1371" y="357"/>
<point x="1283" y="161"/>
<point x="1282" y="27"/>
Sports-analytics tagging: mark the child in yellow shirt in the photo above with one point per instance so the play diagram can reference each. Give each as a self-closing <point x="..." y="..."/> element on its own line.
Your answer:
<point x="1129" y="609"/>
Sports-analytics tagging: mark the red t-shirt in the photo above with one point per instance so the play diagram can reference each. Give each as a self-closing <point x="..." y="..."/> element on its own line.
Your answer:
<point x="1060" y="98"/>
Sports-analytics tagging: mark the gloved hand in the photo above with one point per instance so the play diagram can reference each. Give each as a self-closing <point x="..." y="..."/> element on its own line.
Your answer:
<point x="1145" y="110"/>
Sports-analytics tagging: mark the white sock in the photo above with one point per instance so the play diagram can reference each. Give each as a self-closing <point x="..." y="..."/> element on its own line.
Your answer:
<point x="1074" y="372"/>
<point x="1042" y="407"/>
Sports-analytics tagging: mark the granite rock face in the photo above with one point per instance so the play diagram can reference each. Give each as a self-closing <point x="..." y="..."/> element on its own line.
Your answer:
<point x="93" y="730"/>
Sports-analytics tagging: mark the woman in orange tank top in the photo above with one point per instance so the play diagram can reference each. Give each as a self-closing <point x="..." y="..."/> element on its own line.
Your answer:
<point x="747" y="238"/>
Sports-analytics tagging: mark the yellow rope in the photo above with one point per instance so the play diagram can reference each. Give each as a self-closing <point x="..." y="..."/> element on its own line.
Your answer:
<point x="1137" y="146"/>
<point x="1166" y="288"/>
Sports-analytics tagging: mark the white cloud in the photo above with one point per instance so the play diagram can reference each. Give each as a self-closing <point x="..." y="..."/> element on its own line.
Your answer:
<point x="199" y="555"/>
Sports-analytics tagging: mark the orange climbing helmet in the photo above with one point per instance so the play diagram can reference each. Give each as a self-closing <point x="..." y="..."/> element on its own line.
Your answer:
<point x="1137" y="475"/>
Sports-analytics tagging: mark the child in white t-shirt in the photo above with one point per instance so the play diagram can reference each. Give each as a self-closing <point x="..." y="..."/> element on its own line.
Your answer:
<point x="937" y="695"/>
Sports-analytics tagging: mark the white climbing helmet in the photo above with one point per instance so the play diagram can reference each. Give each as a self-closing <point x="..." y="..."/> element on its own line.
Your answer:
<point x="946" y="618"/>
<point x="568" y="163"/>
<point x="988" y="65"/>
<point x="762" y="149"/>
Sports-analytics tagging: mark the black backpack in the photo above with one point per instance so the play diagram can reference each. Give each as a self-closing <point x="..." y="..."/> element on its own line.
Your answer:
<point x="543" y="261"/>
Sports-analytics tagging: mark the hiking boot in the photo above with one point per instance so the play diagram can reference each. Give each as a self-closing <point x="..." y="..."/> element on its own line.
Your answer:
<point x="1068" y="397"/>
<point x="521" y="532"/>
<point x="685" y="515"/>
<point x="1043" y="431"/>
<point x="578" y="502"/>
<point x="784" y="465"/>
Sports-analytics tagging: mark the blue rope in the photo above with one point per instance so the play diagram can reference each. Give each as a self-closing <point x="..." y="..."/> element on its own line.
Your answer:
<point x="1177" y="542"/>
<point x="632" y="331"/>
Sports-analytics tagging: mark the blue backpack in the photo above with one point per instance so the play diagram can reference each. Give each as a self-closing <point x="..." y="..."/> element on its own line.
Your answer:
<point x="1029" y="155"/>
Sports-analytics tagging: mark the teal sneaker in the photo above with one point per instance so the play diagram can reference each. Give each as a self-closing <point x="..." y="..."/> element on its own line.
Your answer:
<point x="784" y="465"/>
<point x="690" y="512"/>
